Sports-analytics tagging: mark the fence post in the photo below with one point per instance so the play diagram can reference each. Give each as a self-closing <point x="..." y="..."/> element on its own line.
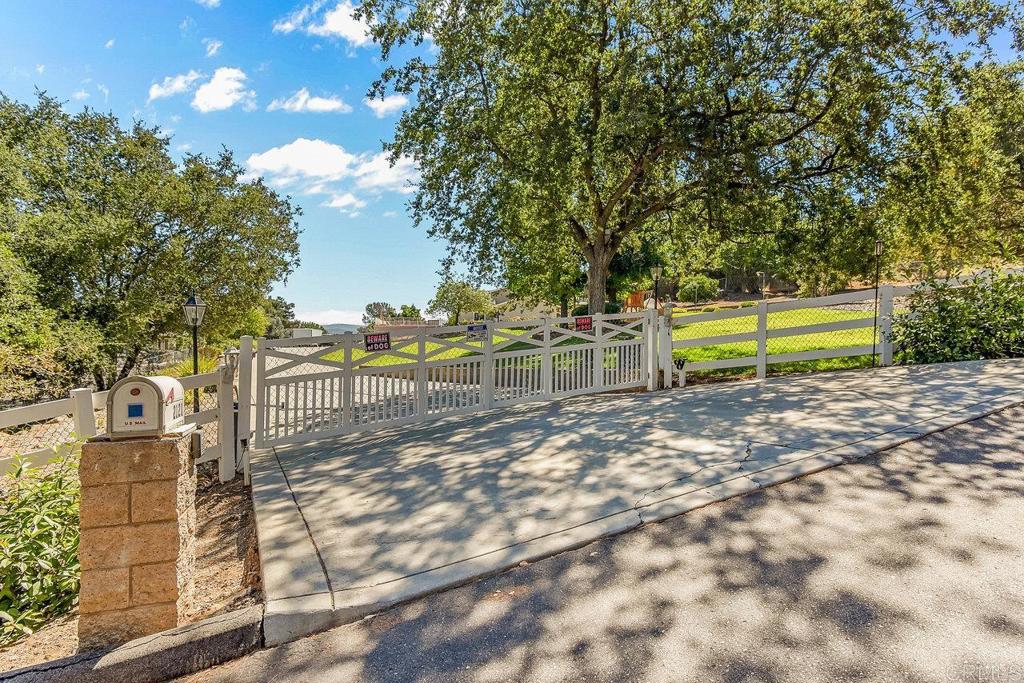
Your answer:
<point x="82" y="413"/>
<point x="762" y="339"/>
<point x="651" y="328"/>
<point x="348" y="401"/>
<point x="487" y="368"/>
<point x="546" y="361"/>
<point x="262" y="394"/>
<point x="598" y="369"/>
<point x="226" y="421"/>
<point x="421" y="374"/>
<point x="244" y="393"/>
<point x="885" y="311"/>
<point x="665" y="344"/>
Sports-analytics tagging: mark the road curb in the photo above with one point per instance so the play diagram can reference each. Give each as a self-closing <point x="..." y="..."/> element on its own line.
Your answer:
<point x="157" y="657"/>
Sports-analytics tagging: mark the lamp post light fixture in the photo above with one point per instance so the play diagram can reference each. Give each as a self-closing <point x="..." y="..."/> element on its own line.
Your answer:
<point x="656" y="274"/>
<point x="194" y="310"/>
<point x="878" y="275"/>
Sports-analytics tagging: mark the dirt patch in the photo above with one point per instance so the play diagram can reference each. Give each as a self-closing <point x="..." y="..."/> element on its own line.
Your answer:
<point x="227" y="571"/>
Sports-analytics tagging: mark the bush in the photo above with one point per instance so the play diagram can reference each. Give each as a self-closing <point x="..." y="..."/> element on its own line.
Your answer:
<point x="981" y="321"/>
<point x="748" y="304"/>
<point x="609" y="307"/>
<point x="38" y="546"/>
<point x="697" y="288"/>
<point x="708" y="309"/>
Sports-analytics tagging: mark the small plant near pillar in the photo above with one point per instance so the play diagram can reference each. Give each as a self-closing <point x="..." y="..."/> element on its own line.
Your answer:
<point x="39" y="572"/>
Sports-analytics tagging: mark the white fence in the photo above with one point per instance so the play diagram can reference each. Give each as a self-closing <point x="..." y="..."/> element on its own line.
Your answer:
<point x="40" y="432"/>
<point x="766" y="323"/>
<point x="311" y="388"/>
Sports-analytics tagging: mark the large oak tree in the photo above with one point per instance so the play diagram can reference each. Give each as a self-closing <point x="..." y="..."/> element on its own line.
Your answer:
<point x="598" y="116"/>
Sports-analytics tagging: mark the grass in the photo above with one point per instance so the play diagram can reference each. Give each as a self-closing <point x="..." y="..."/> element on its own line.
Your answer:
<point x="711" y="328"/>
<point x="793" y="344"/>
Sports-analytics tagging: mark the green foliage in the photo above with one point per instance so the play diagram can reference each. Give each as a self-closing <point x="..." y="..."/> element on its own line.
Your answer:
<point x="609" y="307"/>
<point x="453" y="298"/>
<point x="697" y="288"/>
<point x="116" y="232"/>
<point x="981" y="321"/>
<point x="377" y="310"/>
<point x="564" y="128"/>
<point x="39" y="569"/>
<point x="409" y="311"/>
<point x="708" y="309"/>
<point x="748" y="304"/>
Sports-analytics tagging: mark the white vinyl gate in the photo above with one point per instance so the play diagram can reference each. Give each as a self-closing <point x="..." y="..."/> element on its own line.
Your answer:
<point x="314" y="387"/>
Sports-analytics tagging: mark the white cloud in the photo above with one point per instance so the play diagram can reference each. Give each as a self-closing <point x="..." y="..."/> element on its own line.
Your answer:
<point x="347" y="203"/>
<point x="79" y="95"/>
<point x="173" y="85"/>
<point x="304" y="159"/>
<point x="213" y="46"/>
<point x="208" y="4"/>
<point x="184" y="147"/>
<point x="187" y="24"/>
<point x="336" y="22"/>
<point x="40" y="68"/>
<point x="332" y="316"/>
<point x="223" y="91"/>
<point x="298" y="18"/>
<point x="377" y="173"/>
<point x="302" y="101"/>
<point x="109" y="44"/>
<point x="105" y="90"/>
<point x="390" y="214"/>
<point x="388" y="105"/>
<point x="317" y="167"/>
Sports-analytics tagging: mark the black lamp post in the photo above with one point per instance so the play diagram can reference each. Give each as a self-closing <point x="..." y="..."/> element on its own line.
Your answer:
<point x="878" y="274"/>
<point x="760" y="274"/>
<point x="194" y="309"/>
<point x="656" y="274"/>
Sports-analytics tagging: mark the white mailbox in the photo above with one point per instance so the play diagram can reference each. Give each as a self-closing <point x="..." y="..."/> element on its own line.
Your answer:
<point x="145" y="406"/>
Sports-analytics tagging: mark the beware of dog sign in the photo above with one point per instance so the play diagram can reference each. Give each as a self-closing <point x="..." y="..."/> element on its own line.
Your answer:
<point x="378" y="341"/>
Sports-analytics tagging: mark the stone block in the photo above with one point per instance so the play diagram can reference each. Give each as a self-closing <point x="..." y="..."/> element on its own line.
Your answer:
<point x="104" y="462"/>
<point x="104" y="505"/>
<point x="103" y="590"/>
<point x="154" y="501"/>
<point x="154" y="583"/>
<point x="103" y="547"/>
<point x="118" y="626"/>
<point x="153" y="542"/>
<point x="161" y="459"/>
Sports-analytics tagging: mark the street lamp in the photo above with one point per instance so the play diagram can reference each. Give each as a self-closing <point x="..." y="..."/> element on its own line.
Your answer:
<point x="194" y="309"/>
<point x="760" y="274"/>
<point x="878" y="274"/>
<point x="656" y="274"/>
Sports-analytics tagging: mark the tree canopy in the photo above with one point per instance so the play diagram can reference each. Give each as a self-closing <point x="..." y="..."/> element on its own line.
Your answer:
<point x="454" y="297"/>
<point x="573" y="124"/>
<point x="114" y="232"/>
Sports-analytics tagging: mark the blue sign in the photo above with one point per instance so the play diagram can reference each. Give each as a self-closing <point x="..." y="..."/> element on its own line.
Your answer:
<point x="477" y="332"/>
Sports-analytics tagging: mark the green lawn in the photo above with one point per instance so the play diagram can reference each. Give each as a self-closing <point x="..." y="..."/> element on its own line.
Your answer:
<point x="783" y="319"/>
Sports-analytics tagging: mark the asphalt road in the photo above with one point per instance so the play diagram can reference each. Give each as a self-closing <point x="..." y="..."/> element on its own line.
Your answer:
<point x="907" y="566"/>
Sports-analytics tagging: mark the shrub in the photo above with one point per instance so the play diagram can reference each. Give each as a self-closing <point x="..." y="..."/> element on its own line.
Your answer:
<point x="980" y="321"/>
<point x="38" y="545"/>
<point x="708" y="309"/>
<point x="609" y="307"/>
<point x="748" y="304"/>
<point x="697" y="288"/>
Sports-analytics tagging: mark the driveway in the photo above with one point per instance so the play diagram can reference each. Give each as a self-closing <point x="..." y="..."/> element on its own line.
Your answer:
<point x="901" y="567"/>
<point x="350" y="526"/>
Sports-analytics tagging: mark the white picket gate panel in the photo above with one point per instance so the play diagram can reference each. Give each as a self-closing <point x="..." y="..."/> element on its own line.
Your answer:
<point x="317" y="387"/>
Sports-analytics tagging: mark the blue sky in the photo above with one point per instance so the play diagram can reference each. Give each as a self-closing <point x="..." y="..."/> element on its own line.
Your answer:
<point x="282" y="84"/>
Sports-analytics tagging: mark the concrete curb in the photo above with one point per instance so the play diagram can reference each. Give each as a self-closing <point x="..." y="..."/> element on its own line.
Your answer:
<point x="158" y="657"/>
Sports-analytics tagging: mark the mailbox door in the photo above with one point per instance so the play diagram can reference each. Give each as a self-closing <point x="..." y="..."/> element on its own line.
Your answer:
<point x="136" y="409"/>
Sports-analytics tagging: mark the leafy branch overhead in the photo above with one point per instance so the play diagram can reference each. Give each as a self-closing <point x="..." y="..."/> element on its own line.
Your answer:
<point x="579" y="123"/>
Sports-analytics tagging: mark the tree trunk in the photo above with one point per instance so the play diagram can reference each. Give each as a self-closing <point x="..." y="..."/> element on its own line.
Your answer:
<point x="563" y="307"/>
<point x="597" y="282"/>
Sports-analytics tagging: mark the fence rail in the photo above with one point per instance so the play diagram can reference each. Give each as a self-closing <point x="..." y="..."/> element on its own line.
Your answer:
<point x="40" y="432"/>
<point x="333" y="384"/>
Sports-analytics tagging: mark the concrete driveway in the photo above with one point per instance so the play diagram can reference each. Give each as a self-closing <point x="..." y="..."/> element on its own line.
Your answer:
<point x="904" y="567"/>
<point x="349" y="526"/>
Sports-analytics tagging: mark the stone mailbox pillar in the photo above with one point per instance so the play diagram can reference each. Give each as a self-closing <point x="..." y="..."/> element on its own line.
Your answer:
<point x="137" y="544"/>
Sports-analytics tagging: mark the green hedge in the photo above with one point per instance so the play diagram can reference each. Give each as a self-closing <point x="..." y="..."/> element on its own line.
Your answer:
<point x="39" y="571"/>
